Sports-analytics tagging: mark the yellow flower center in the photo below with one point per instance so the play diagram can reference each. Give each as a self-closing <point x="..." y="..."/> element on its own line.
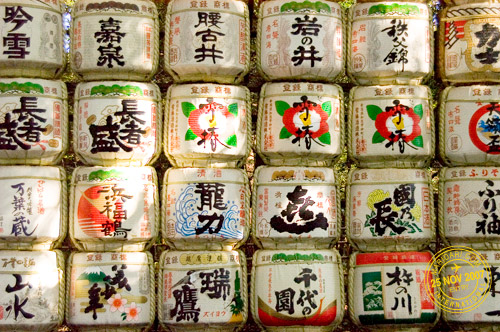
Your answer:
<point x="305" y="118"/>
<point x="399" y="122"/>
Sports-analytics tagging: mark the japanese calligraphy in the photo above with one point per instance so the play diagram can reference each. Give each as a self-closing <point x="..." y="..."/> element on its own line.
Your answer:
<point x="124" y="134"/>
<point x="211" y="21"/>
<point x="111" y="284"/>
<point x="488" y="37"/>
<point x="396" y="214"/>
<point x="490" y="127"/>
<point x="114" y="211"/>
<point x="25" y="128"/>
<point x="489" y="223"/>
<point x="109" y="39"/>
<point x="20" y="225"/>
<point x="16" y="43"/>
<point x="398" y="32"/>
<point x="211" y="196"/>
<point x="403" y="299"/>
<point x="308" y="28"/>
<point x="18" y="305"/>
<point x="296" y="218"/>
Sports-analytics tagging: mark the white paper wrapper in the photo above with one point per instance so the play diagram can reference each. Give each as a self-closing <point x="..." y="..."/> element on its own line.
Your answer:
<point x="485" y="317"/>
<point x="467" y="207"/>
<point x="298" y="291"/>
<point x="33" y="296"/>
<point x="205" y="208"/>
<point x="467" y="126"/>
<point x="300" y="124"/>
<point x="32" y="38"/>
<point x="390" y="43"/>
<point x="466" y="54"/>
<point x="374" y="301"/>
<point x="117" y="123"/>
<point x="203" y="291"/>
<point x="110" y="291"/>
<point x="33" y="207"/>
<point x="391" y="126"/>
<point x="33" y="121"/>
<point x="300" y="40"/>
<point x="295" y="208"/>
<point x="207" y="125"/>
<point x="115" y="40"/>
<point x="389" y="209"/>
<point x="114" y="208"/>
<point x="207" y="40"/>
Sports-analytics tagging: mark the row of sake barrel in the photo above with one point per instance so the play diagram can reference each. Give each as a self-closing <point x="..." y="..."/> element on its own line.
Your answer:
<point x="207" y="291"/>
<point x="389" y="42"/>
<point x="117" y="208"/>
<point x="120" y="123"/>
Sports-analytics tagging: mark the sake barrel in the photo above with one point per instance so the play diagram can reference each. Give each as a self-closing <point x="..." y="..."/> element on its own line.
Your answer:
<point x="297" y="290"/>
<point x="117" y="123"/>
<point x="33" y="207"/>
<point x="467" y="51"/>
<point x="459" y="278"/>
<point x="391" y="126"/>
<point x="219" y="41"/>
<point x="390" y="42"/>
<point x="34" y="293"/>
<point x="116" y="40"/>
<point x="468" y="131"/>
<point x="110" y="291"/>
<point x="32" y="34"/>
<point x="295" y="207"/>
<point x="203" y="291"/>
<point x="467" y="207"/>
<point x="205" y="208"/>
<point x="207" y="125"/>
<point x="387" y="291"/>
<point x="300" y="124"/>
<point x="114" y="208"/>
<point x="33" y="121"/>
<point x="389" y="209"/>
<point x="300" y="40"/>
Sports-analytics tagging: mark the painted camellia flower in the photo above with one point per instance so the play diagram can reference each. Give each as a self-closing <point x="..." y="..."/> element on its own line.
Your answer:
<point x="305" y="120"/>
<point x="117" y="303"/>
<point x="212" y="123"/>
<point x="399" y="124"/>
<point x="132" y="312"/>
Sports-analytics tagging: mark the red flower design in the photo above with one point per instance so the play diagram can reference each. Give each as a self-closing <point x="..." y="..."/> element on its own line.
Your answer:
<point x="398" y="123"/>
<point x="306" y="118"/>
<point x="210" y="120"/>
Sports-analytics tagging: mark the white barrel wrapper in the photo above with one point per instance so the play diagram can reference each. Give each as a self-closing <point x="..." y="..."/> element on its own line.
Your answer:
<point x="295" y="207"/>
<point x="114" y="208"/>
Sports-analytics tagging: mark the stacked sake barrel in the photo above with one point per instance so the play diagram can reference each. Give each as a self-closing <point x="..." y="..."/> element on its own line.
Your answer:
<point x="114" y="200"/>
<point x="206" y="199"/>
<point x="389" y="205"/>
<point x="33" y="139"/>
<point x="468" y="140"/>
<point x="297" y="278"/>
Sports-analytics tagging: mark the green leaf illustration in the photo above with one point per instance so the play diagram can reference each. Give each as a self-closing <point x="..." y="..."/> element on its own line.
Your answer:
<point x="284" y="133"/>
<point x="373" y="111"/>
<point x="326" y="138"/>
<point x="232" y="140"/>
<point x="233" y="109"/>
<point x="418" y="141"/>
<point x="377" y="138"/>
<point x="187" y="108"/>
<point x="190" y="135"/>
<point x="281" y="107"/>
<point x="419" y="110"/>
<point x="327" y="107"/>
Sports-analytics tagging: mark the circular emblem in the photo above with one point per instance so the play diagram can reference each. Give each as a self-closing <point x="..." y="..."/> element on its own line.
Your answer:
<point x="484" y="128"/>
<point x="458" y="279"/>
<point x="77" y="60"/>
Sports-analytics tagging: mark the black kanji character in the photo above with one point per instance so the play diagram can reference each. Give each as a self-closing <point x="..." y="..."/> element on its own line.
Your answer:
<point x="217" y="283"/>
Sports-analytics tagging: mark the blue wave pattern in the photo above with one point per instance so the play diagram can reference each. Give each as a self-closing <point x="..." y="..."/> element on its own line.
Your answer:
<point x="186" y="216"/>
